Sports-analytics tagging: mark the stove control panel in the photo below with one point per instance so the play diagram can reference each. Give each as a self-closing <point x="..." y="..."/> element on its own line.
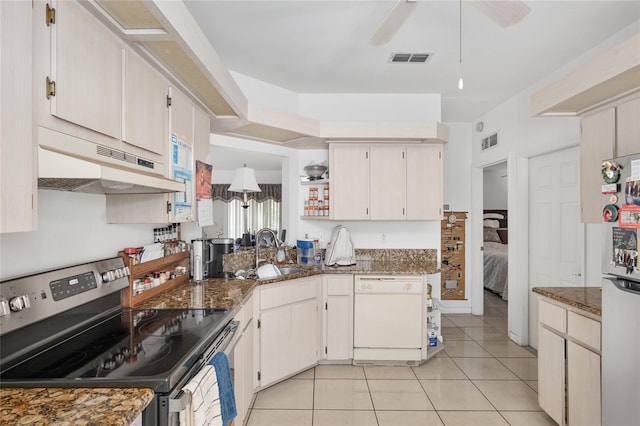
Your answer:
<point x="26" y="300"/>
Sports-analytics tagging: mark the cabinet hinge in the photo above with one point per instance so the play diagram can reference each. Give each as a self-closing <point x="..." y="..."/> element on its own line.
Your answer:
<point x="403" y="211"/>
<point x="403" y="155"/>
<point x="259" y="323"/>
<point x="50" y="15"/>
<point x="259" y="376"/>
<point x="326" y="306"/>
<point x="439" y="155"/>
<point x="168" y="206"/>
<point x="168" y="101"/>
<point x="367" y="211"/>
<point x="325" y="350"/>
<point x="366" y="155"/>
<point x="50" y="88"/>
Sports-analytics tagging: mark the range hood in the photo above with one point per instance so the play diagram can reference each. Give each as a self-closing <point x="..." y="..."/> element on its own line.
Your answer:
<point x="67" y="163"/>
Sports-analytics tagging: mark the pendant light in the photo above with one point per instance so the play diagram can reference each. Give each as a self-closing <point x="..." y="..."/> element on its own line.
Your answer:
<point x="460" y="81"/>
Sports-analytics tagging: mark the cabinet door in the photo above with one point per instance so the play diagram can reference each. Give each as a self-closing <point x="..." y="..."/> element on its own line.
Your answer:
<point x="247" y="365"/>
<point x="597" y="143"/>
<point x="18" y="209"/>
<point x="201" y="132"/>
<point x="387" y="184"/>
<point x="338" y="317"/>
<point x="551" y="389"/>
<point x="628" y="128"/>
<point x="425" y="182"/>
<point x="145" y="100"/>
<point x="288" y="340"/>
<point x="583" y="386"/>
<point x="349" y="170"/>
<point x="87" y="68"/>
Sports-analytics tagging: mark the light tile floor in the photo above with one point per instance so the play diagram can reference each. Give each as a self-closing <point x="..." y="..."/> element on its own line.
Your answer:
<point x="481" y="378"/>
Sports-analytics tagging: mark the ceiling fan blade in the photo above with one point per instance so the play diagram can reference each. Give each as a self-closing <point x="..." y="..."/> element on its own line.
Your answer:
<point x="392" y="22"/>
<point x="503" y="12"/>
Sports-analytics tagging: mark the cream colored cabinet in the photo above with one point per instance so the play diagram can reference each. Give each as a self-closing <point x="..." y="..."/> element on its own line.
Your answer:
<point x="349" y="168"/>
<point x="628" y="128"/>
<point x="287" y="329"/>
<point x="18" y="209"/>
<point x="425" y="182"/>
<point x="597" y="144"/>
<point x="86" y="66"/>
<point x="388" y="182"/>
<point x="243" y="371"/>
<point x="338" y="317"/>
<point x="145" y="105"/>
<point x="551" y="373"/>
<point x="568" y="364"/>
<point x="191" y="125"/>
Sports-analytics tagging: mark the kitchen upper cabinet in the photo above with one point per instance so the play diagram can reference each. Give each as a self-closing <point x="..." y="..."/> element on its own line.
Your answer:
<point x="349" y="168"/>
<point x="338" y="317"/>
<point x="86" y="66"/>
<point x="628" y="128"/>
<point x="388" y="182"/>
<point x="18" y="209"/>
<point x="597" y="144"/>
<point x="145" y="105"/>
<point x="425" y="182"/>
<point x="287" y="331"/>
<point x="190" y="124"/>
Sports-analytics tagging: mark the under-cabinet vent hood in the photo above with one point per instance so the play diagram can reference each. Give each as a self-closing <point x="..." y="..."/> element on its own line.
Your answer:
<point x="67" y="163"/>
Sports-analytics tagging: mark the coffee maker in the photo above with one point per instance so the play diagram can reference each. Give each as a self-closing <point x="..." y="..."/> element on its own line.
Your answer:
<point x="206" y="257"/>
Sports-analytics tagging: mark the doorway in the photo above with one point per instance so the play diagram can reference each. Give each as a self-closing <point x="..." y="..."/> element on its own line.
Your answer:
<point x="495" y="221"/>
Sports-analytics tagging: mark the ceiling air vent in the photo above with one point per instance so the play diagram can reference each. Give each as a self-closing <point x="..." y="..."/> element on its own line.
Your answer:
<point x="489" y="142"/>
<point x="407" y="58"/>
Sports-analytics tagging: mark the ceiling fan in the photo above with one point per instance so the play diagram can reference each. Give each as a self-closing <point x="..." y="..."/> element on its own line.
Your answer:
<point x="503" y="12"/>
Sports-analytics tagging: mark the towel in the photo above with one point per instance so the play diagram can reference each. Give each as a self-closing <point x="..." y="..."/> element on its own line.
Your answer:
<point x="225" y="387"/>
<point x="205" y="402"/>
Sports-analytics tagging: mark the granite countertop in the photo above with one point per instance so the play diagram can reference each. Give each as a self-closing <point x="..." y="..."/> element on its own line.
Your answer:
<point x="231" y="292"/>
<point x="72" y="406"/>
<point x="588" y="299"/>
<point x="89" y="406"/>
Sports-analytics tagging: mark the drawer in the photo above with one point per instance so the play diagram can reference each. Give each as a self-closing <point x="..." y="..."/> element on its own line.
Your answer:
<point x="584" y="329"/>
<point x="552" y="316"/>
<point x="296" y="291"/>
<point x="339" y="285"/>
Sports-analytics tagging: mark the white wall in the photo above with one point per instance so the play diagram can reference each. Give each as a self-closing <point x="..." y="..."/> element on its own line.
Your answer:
<point x="495" y="189"/>
<point x="71" y="230"/>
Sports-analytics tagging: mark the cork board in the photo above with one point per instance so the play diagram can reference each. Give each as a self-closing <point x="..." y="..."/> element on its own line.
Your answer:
<point x="452" y="231"/>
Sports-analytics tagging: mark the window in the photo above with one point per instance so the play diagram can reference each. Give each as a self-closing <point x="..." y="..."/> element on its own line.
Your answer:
<point x="265" y="214"/>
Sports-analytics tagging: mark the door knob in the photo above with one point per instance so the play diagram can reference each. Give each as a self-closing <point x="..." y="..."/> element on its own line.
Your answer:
<point x="576" y="274"/>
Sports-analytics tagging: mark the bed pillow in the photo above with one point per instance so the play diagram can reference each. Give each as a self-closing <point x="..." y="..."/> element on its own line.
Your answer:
<point x="491" y="235"/>
<point x="504" y="235"/>
<point x="491" y="223"/>
<point x="493" y="216"/>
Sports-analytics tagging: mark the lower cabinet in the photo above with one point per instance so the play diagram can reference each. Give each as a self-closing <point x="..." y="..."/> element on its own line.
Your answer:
<point x="287" y="328"/>
<point x="568" y="365"/>
<point x="338" y="317"/>
<point x="243" y="371"/>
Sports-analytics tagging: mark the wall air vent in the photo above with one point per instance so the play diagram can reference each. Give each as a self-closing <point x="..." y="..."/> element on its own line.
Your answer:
<point x="408" y="58"/>
<point x="489" y="142"/>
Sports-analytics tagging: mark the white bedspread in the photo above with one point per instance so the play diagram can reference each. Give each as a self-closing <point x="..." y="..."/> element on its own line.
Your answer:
<point x="496" y="268"/>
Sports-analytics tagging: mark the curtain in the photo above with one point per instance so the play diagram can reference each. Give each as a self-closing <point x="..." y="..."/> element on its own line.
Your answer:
<point x="263" y="210"/>
<point x="269" y="191"/>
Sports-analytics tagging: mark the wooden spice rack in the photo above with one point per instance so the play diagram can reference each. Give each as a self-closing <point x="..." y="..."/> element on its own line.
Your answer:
<point x="127" y="299"/>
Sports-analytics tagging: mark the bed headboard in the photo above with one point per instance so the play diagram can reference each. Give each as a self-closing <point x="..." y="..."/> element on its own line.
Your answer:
<point x="503" y="222"/>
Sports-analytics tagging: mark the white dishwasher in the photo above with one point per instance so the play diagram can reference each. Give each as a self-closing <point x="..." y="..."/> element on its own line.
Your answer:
<point x="388" y="317"/>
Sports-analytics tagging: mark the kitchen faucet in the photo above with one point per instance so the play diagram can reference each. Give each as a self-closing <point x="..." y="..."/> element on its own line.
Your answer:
<point x="258" y="234"/>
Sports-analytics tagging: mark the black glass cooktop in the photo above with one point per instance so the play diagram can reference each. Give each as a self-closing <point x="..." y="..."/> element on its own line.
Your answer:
<point x="133" y="348"/>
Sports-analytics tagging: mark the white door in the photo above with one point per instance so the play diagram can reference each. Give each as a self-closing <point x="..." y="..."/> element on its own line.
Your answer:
<point x="556" y="236"/>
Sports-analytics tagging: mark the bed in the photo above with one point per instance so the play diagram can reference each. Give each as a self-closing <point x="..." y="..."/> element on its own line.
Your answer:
<point x="495" y="252"/>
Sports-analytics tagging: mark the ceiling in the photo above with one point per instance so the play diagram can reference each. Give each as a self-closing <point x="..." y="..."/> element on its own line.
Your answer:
<point x="323" y="46"/>
<point x="224" y="158"/>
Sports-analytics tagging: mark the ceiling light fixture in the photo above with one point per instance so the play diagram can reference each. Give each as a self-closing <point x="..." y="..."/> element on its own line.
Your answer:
<point x="460" y="81"/>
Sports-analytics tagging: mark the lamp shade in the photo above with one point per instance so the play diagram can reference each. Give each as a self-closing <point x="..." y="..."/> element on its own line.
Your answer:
<point x="244" y="180"/>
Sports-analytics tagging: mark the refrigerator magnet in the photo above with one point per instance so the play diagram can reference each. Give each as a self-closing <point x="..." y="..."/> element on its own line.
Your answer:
<point x="610" y="213"/>
<point x="629" y="216"/>
<point x="610" y="171"/>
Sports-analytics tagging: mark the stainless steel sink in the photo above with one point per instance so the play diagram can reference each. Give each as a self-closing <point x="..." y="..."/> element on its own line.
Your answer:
<point x="288" y="270"/>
